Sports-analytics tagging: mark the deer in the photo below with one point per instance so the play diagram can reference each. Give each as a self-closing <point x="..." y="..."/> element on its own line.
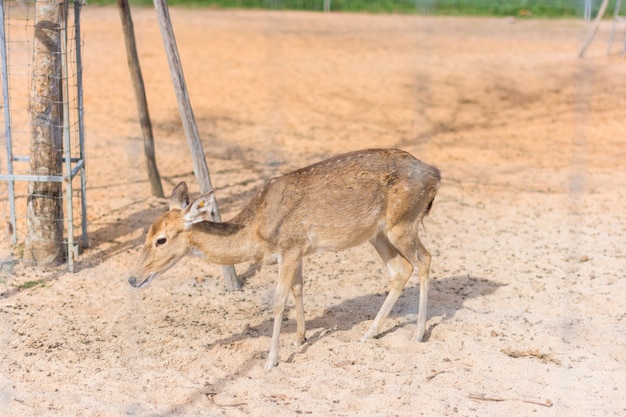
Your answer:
<point x="379" y="196"/>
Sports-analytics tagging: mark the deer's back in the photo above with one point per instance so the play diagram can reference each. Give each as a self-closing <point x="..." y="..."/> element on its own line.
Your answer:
<point x="344" y="200"/>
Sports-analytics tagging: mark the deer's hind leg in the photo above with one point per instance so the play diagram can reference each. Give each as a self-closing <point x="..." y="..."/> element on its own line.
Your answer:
<point x="400" y="270"/>
<point x="413" y="249"/>
<point x="296" y="290"/>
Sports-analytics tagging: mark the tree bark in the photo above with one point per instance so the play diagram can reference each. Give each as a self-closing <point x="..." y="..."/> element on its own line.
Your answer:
<point x="44" y="240"/>
<point x="140" y="97"/>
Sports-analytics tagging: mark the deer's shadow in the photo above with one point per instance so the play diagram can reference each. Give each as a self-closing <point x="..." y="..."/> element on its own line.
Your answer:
<point x="446" y="297"/>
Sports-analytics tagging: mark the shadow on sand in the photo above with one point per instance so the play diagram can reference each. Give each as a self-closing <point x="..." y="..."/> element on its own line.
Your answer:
<point x="446" y="297"/>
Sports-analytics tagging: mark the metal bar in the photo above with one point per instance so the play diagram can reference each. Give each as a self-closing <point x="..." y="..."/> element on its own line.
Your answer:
<point x="594" y="29"/>
<point x="45" y="178"/>
<point x="7" y="122"/>
<point x="34" y="178"/>
<point x="79" y="166"/>
<point x="67" y="144"/>
<point x="613" y="25"/>
<point x="27" y="159"/>
<point x="21" y="158"/>
<point x="81" y="127"/>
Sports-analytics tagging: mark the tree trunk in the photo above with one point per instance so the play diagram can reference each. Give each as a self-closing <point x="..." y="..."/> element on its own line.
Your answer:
<point x="44" y="239"/>
<point x="140" y="97"/>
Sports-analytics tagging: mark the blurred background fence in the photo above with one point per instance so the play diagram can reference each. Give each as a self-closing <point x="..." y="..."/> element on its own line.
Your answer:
<point x="521" y="8"/>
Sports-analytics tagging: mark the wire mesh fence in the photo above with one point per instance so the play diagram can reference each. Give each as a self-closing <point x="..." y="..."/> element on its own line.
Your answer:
<point x="20" y="174"/>
<point x="523" y="8"/>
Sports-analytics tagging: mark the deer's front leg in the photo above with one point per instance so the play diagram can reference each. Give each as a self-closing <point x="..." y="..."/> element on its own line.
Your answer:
<point x="286" y="278"/>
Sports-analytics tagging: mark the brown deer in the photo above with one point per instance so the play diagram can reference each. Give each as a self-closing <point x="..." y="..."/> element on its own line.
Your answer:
<point x="376" y="195"/>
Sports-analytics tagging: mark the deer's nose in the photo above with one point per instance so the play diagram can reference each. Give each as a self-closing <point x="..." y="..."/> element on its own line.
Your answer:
<point x="132" y="281"/>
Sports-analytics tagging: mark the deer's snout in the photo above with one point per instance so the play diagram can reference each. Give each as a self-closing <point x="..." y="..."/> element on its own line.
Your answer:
<point x="140" y="283"/>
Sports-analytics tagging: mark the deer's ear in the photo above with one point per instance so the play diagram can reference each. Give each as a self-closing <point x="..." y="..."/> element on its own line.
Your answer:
<point x="200" y="210"/>
<point x="180" y="197"/>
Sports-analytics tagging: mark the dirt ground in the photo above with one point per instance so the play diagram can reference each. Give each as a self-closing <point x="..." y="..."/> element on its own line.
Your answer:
<point x="527" y="233"/>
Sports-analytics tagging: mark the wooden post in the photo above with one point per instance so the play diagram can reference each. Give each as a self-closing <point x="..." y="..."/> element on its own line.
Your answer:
<point x="140" y="97"/>
<point x="200" y="168"/>
<point x="594" y="29"/>
<point x="44" y="240"/>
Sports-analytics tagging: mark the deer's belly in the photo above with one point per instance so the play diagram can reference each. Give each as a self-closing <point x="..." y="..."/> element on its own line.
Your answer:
<point x="338" y="238"/>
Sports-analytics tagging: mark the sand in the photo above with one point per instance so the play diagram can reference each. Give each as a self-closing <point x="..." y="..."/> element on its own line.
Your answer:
<point x="526" y="314"/>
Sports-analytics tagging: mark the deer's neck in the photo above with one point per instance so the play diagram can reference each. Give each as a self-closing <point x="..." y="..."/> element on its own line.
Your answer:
<point x="224" y="243"/>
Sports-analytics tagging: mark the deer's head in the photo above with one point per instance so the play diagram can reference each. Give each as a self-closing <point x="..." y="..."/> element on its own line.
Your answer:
<point x="167" y="240"/>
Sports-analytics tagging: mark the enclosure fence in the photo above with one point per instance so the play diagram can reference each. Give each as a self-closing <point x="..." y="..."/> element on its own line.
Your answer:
<point x="20" y="32"/>
<point x="524" y="8"/>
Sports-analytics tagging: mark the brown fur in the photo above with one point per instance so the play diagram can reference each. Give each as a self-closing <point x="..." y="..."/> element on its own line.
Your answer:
<point x="376" y="195"/>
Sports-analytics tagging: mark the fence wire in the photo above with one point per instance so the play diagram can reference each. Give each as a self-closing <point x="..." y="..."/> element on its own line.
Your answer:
<point x="16" y="128"/>
<point x="523" y="8"/>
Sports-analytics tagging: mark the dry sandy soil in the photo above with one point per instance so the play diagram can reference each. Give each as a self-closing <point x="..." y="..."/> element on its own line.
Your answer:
<point x="527" y="233"/>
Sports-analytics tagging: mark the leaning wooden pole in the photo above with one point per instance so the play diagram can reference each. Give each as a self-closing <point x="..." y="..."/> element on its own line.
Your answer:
<point x="594" y="29"/>
<point x="200" y="168"/>
<point x="140" y="97"/>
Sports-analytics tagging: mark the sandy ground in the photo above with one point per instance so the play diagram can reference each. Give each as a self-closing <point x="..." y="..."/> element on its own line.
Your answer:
<point x="528" y="231"/>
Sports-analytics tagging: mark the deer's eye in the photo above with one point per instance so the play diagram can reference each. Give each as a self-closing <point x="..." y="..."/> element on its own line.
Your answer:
<point x="160" y="241"/>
